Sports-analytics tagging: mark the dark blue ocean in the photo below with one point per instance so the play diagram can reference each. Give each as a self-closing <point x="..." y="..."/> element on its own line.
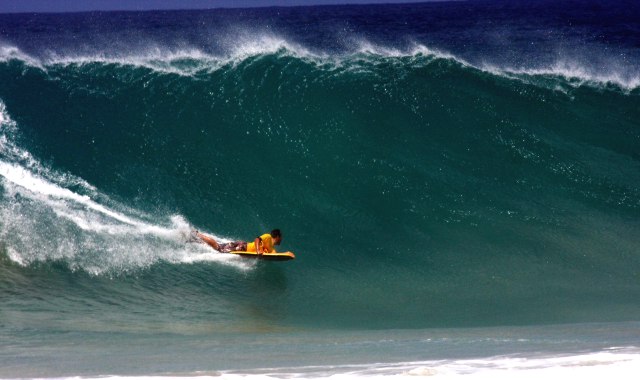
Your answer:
<point x="459" y="181"/>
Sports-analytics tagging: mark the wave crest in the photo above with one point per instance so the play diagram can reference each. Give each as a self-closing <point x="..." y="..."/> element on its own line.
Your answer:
<point x="364" y="55"/>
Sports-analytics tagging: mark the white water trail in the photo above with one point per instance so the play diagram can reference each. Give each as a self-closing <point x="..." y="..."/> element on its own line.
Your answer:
<point x="43" y="219"/>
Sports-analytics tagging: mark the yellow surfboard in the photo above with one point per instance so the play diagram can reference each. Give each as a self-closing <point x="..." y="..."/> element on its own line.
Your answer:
<point x="279" y="256"/>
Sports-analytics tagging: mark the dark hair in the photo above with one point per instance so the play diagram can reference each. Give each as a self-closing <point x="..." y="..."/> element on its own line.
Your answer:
<point x="276" y="233"/>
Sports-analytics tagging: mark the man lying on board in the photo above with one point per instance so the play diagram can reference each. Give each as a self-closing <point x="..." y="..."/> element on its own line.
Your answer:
<point x="262" y="244"/>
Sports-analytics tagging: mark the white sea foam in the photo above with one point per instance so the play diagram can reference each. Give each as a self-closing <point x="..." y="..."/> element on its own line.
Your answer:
<point x="247" y="45"/>
<point x="574" y="75"/>
<point x="43" y="219"/>
<point x="620" y="364"/>
<point x="189" y="61"/>
<point x="363" y="46"/>
<point x="8" y="53"/>
<point x="186" y="61"/>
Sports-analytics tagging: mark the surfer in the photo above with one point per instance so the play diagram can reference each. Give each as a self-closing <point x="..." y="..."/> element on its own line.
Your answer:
<point x="262" y="244"/>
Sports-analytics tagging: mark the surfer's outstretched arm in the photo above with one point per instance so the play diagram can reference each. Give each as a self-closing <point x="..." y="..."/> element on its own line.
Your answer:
<point x="208" y="240"/>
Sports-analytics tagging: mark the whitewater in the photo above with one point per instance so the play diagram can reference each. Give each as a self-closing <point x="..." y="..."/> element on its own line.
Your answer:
<point x="460" y="182"/>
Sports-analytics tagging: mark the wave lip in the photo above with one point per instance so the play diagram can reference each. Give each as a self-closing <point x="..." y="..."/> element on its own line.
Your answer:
<point x="571" y="74"/>
<point x="190" y="61"/>
<point x="185" y="60"/>
<point x="9" y="53"/>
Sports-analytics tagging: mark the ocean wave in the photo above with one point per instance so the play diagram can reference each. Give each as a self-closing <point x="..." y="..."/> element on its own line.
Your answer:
<point x="363" y="56"/>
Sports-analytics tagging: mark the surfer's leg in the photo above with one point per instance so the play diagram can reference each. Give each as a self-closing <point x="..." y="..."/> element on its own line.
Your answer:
<point x="232" y="246"/>
<point x="208" y="240"/>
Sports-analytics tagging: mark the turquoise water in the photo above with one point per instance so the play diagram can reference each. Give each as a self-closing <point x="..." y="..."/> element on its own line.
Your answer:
<point x="410" y="187"/>
<point x="424" y="194"/>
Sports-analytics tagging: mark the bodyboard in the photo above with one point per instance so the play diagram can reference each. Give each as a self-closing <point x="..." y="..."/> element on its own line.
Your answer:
<point x="278" y="256"/>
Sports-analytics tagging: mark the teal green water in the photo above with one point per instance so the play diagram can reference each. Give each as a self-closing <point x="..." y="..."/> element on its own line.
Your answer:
<point x="415" y="190"/>
<point x="459" y="181"/>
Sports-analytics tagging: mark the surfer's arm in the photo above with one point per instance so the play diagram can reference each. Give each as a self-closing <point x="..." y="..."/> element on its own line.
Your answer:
<point x="258" y="243"/>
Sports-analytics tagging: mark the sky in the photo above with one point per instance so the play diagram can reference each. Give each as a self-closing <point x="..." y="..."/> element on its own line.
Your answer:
<point x="15" y="6"/>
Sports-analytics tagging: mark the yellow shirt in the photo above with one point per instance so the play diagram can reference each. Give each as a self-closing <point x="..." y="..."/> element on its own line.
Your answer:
<point x="267" y="244"/>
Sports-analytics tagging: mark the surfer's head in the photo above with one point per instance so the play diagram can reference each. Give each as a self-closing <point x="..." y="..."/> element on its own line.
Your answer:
<point x="277" y="236"/>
